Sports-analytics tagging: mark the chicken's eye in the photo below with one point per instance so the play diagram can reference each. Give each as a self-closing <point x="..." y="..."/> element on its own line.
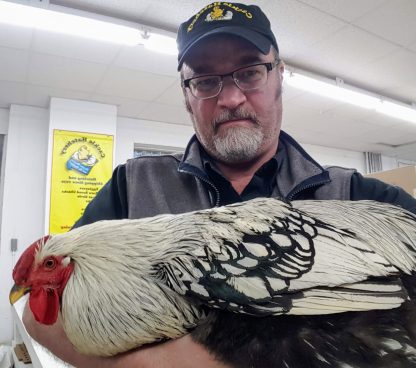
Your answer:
<point x="49" y="263"/>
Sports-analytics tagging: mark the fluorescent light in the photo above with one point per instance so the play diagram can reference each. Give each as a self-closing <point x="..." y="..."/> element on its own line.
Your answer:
<point x="84" y="26"/>
<point x="396" y="110"/>
<point x="160" y="43"/>
<point x="351" y="95"/>
<point x="49" y="20"/>
<point x="331" y="90"/>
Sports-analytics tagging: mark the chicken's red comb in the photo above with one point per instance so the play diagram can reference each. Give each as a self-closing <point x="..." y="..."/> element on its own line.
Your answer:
<point x="24" y="264"/>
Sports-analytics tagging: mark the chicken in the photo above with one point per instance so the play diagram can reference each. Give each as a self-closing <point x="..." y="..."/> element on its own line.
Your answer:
<point x="262" y="283"/>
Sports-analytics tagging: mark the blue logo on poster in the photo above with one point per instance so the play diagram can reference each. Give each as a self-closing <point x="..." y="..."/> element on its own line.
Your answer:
<point x="82" y="161"/>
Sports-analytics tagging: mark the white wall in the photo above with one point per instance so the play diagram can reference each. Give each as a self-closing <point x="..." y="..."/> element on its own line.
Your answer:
<point x="4" y="120"/>
<point x="4" y="126"/>
<point x="24" y="195"/>
<point x="337" y="157"/>
<point x="131" y="131"/>
<point x="351" y="159"/>
<point x="389" y="163"/>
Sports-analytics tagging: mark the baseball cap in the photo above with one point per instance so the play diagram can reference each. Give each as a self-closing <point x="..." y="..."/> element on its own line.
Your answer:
<point x="220" y="17"/>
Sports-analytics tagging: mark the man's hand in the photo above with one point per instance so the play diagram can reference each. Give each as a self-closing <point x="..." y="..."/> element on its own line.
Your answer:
<point x="53" y="337"/>
<point x="179" y="353"/>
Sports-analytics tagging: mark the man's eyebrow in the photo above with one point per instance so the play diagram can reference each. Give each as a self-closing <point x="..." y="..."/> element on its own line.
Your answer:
<point x="199" y="69"/>
<point x="251" y="59"/>
<point x="207" y="70"/>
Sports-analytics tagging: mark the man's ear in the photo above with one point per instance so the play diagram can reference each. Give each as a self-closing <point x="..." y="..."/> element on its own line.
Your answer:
<point x="185" y="95"/>
<point x="187" y="104"/>
<point x="281" y="68"/>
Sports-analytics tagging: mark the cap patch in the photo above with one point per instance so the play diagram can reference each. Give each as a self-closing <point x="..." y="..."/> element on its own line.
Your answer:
<point x="218" y="13"/>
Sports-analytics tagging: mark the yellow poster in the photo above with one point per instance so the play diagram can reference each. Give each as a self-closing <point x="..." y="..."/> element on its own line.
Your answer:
<point x="81" y="164"/>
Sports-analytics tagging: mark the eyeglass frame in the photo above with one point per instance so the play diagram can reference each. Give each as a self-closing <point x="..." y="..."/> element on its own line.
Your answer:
<point x="269" y="66"/>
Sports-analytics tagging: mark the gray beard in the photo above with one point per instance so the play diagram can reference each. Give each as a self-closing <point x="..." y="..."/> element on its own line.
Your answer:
<point x="239" y="144"/>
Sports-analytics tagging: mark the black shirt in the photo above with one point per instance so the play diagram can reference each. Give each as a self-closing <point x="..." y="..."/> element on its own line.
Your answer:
<point x="261" y="185"/>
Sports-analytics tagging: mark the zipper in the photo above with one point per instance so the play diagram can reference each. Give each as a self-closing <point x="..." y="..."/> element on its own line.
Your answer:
<point x="290" y="197"/>
<point x="217" y="192"/>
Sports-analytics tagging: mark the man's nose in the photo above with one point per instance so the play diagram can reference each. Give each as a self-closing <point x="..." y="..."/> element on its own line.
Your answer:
<point x="231" y="96"/>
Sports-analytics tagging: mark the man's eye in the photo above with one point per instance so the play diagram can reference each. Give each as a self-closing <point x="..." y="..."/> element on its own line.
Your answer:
<point x="205" y="83"/>
<point x="246" y="74"/>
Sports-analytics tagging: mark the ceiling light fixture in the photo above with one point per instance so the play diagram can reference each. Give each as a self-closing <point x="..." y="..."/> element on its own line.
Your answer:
<point x="336" y="89"/>
<point x="157" y="42"/>
<point x="56" y="19"/>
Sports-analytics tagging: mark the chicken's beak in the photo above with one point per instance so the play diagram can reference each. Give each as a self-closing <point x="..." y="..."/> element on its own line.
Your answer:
<point x="17" y="292"/>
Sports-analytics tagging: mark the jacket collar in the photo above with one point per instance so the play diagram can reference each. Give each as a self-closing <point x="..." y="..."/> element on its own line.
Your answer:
<point x="191" y="160"/>
<point x="297" y="169"/>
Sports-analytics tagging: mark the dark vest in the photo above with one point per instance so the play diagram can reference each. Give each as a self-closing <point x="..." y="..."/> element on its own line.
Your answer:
<point x="178" y="183"/>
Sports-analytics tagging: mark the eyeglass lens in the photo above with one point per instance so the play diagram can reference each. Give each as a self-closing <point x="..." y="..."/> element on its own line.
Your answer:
<point x="248" y="78"/>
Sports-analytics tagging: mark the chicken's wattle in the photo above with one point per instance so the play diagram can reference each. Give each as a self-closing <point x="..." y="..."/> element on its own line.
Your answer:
<point x="44" y="304"/>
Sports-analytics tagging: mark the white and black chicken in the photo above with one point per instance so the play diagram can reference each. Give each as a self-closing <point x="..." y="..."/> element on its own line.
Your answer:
<point x="261" y="284"/>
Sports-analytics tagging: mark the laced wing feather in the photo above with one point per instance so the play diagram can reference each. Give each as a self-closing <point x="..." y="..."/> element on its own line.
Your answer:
<point x="385" y="229"/>
<point x="267" y="257"/>
<point x="248" y="256"/>
<point x="356" y="297"/>
<point x="271" y="251"/>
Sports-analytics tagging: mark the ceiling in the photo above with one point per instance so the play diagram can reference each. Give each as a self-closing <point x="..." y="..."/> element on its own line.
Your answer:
<point x="370" y="44"/>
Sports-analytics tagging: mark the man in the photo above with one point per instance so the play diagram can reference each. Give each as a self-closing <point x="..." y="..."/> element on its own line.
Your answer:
<point x="232" y="83"/>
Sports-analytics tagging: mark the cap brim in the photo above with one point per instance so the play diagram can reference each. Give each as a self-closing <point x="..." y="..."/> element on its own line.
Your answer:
<point x="257" y="39"/>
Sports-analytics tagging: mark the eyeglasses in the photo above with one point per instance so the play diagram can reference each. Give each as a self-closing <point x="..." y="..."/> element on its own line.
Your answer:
<point x="247" y="78"/>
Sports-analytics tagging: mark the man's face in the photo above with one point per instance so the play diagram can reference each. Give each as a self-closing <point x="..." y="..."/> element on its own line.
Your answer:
<point x="236" y="126"/>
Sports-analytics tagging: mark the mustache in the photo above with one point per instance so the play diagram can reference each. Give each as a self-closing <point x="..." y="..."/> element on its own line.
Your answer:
<point x="238" y="114"/>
